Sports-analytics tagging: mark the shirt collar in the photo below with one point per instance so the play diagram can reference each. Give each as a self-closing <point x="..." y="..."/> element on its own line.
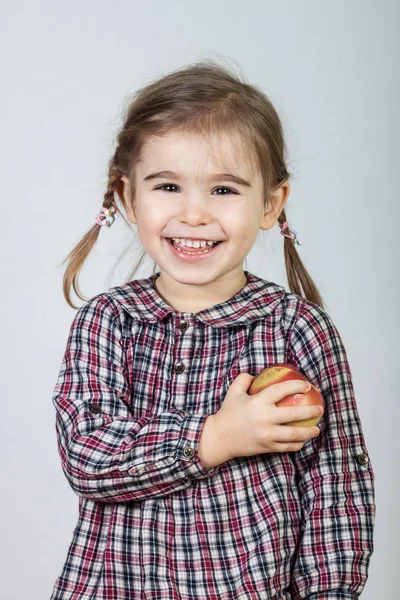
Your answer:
<point x="253" y="302"/>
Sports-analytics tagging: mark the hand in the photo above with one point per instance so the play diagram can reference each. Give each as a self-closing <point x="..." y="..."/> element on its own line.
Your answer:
<point x="248" y="425"/>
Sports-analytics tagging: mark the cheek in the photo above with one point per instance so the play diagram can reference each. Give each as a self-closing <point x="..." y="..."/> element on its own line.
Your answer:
<point x="151" y="218"/>
<point x="246" y="241"/>
<point x="239" y="226"/>
<point x="246" y="235"/>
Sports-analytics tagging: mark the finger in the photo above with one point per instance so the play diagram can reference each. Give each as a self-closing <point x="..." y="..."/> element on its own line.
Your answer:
<point x="285" y="414"/>
<point x="287" y="434"/>
<point x="278" y="391"/>
<point x="289" y="446"/>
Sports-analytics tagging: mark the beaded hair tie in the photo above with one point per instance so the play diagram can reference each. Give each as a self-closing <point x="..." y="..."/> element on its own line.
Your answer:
<point x="106" y="216"/>
<point x="292" y="235"/>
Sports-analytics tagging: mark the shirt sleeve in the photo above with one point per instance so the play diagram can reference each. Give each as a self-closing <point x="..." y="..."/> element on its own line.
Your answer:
<point x="334" y="472"/>
<point x="105" y="454"/>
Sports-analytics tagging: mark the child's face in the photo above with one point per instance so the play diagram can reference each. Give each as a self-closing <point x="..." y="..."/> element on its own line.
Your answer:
<point x="192" y="205"/>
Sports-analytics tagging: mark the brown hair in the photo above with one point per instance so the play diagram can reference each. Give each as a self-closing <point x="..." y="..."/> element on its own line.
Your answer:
<point x="201" y="98"/>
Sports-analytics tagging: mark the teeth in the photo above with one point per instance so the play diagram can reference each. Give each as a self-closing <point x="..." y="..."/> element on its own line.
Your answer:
<point x="195" y="243"/>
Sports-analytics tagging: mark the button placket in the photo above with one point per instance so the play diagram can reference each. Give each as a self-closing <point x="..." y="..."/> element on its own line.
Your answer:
<point x="179" y="367"/>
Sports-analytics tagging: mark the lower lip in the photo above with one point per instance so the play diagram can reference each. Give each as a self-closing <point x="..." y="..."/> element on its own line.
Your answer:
<point x="193" y="257"/>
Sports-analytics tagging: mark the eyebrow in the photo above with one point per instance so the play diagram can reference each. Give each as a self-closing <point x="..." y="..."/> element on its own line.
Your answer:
<point x="215" y="177"/>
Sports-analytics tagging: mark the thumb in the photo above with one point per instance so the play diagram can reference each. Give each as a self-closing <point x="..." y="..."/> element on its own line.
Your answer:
<point x="243" y="380"/>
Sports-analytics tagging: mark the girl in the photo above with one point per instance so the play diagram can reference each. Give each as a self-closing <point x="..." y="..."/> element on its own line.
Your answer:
<point x="189" y="488"/>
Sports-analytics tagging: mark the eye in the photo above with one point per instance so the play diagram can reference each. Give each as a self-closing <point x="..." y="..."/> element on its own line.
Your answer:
<point x="165" y="185"/>
<point x="230" y="191"/>
<point x="169" y="185"/>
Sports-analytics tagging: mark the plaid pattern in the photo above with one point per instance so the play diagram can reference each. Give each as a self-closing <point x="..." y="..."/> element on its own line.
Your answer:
<point x="133" y="392"/>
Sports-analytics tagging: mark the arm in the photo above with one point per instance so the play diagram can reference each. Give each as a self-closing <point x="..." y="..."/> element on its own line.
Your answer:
<point x="335" y="477"/>
<point x="105" y="454"/>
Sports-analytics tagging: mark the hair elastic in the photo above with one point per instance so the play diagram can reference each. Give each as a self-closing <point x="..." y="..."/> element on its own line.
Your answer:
<point x="106" y="216"/>
<point x="292" y="235"/>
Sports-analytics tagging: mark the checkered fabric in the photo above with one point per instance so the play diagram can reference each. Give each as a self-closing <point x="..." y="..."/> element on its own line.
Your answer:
<point x="136" y="384"/>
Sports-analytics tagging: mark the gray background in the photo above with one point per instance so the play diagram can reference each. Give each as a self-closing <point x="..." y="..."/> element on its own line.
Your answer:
<point x="67" y="71"/>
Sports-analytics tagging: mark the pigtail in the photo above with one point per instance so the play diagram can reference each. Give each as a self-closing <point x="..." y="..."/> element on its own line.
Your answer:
<point x="80" y="252"/>
<point x="297" y="275"/>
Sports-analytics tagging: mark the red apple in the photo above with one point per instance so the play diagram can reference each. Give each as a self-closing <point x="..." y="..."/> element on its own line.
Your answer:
<point x="284" y="372"/>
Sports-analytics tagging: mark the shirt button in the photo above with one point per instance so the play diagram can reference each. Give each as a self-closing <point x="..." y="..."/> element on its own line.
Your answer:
<point x="363" y="459"/>
<point x="188" y="451"/>
<point x="179" y="367"/>
<point x="183" y="325"/>
<point x="94" y="408"/>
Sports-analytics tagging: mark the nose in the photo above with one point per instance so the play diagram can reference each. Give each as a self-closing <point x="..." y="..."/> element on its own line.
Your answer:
<point x="194" y="210"/>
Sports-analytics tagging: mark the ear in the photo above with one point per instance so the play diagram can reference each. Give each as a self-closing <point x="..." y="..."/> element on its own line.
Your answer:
<point x="277" y="202"/>
<point x="123" y="190"/>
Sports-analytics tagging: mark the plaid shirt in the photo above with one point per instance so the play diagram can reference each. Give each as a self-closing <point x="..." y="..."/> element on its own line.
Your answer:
<point x="136" y="384"/>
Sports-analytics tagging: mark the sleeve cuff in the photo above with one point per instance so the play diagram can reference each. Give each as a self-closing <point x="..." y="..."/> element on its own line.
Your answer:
<point x="188" y="445"/>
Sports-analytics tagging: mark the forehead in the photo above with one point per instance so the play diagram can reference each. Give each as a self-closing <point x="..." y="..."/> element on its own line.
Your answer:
<point x="194" y="153"/>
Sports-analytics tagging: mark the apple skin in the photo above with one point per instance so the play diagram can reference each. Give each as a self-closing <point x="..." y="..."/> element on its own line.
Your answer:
<point x="283" y="372"/>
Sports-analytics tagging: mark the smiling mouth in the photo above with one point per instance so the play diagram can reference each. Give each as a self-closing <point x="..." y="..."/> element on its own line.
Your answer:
<point x="187" y="250"/>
